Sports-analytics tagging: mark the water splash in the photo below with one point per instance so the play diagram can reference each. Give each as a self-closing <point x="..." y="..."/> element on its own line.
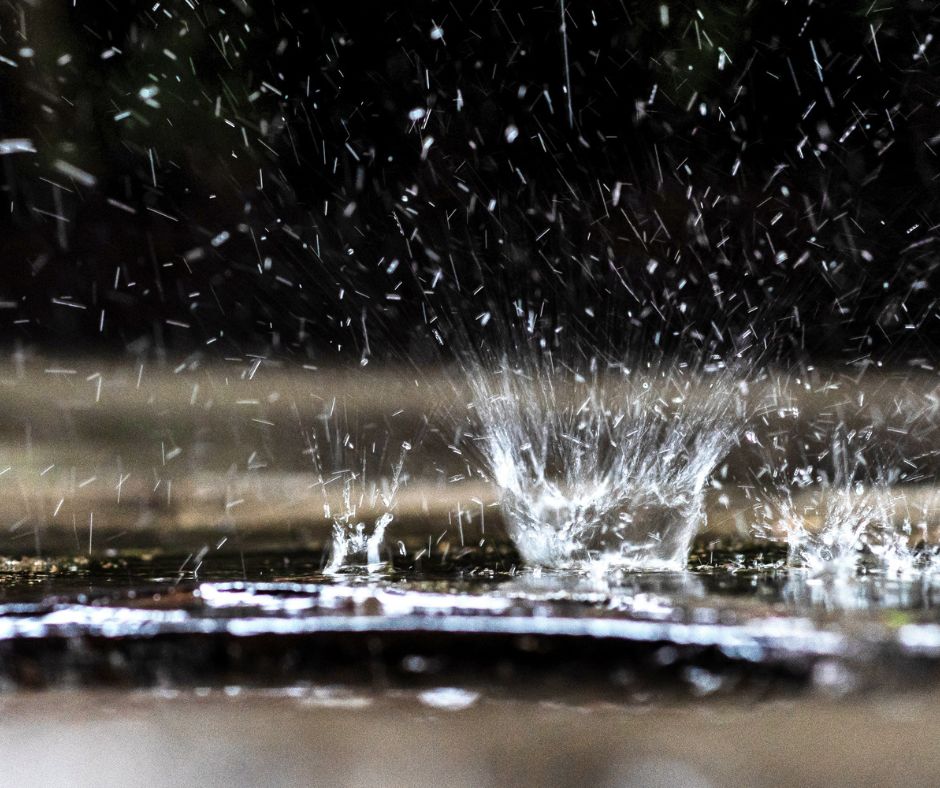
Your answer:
<point x="602" y="470"/>
<point x="854" y="517"/>
<point x="861" y="527"/>
<point x="369" y="493"/>
<point x="356" y="544"/>
<point x="830" y="532"/>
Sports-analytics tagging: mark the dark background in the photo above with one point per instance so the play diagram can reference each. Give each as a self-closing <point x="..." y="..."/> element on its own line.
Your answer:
<point x="254" y="177"/>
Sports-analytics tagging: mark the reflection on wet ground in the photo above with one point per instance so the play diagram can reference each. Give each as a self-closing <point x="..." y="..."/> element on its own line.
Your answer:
<point x="739" y="621"/>
<point x="746" y="580"/>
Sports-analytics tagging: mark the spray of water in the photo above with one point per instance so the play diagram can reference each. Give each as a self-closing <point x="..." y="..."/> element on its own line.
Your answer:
<point x="357" y="544"/>
<point x="602" y="470"/>
<point x="850" y="517"/>
<point x="370" y="486"/>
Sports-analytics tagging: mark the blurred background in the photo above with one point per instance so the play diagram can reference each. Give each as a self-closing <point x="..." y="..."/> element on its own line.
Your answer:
<point x="333" y="181"/>
<point x="241" y="243"/>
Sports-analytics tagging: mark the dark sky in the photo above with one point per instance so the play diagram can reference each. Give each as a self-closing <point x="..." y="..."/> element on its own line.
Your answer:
<point x="354" y="179"/>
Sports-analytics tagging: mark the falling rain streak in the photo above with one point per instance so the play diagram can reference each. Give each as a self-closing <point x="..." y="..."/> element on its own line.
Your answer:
<point x="618" y="278"/>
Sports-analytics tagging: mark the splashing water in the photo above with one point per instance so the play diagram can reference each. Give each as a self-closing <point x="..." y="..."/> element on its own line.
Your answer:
<point x="602" y="473"/>
<point x="839" y="530"/>
<point x="356" y="546"/>
<point x="830" y="531"/>
<point x="360" y="523"/>
<point x="841" y="524"/>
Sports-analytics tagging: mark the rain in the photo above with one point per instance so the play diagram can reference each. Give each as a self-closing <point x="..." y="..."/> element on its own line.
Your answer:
<point x="422" y="355"/>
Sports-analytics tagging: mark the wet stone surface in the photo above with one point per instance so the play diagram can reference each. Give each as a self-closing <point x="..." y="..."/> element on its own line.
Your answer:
<point x="737" y="623"/>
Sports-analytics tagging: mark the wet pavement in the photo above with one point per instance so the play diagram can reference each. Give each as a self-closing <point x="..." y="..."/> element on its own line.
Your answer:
<point x="740" y="624"/>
